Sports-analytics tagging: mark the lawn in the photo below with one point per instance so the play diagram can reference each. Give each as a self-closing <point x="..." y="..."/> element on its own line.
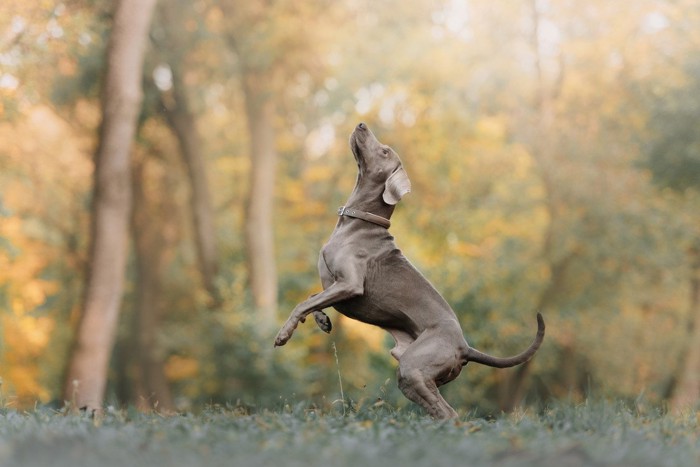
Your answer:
<point x="565" y="435"/>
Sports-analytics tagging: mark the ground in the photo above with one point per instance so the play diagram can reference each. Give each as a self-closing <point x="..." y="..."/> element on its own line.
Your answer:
<point x="601" y="434"/>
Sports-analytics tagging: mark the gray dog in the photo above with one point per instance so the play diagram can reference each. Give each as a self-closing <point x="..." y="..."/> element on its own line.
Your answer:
<point x="367" y="278"/>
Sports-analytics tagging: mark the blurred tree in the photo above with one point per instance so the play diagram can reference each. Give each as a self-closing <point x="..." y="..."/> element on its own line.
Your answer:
<point x="155" y="234"/>
<point x="273" y="44"/>
<point x="516" y="120"/>
<point x="43" y="197"/>
<point x="673" y="157"/>
<point x="173" y="49"/>
<point x="121" y="102"/>
<point x="249" y="29"/>
<point x="543" y="147"/>
<point x="586" y="185"/>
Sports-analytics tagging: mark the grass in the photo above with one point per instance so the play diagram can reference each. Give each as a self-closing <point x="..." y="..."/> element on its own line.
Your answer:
<point x="567" y="435"/>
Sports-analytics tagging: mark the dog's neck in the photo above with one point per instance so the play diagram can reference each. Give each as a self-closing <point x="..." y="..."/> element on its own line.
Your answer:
<point x="367" y="196"/>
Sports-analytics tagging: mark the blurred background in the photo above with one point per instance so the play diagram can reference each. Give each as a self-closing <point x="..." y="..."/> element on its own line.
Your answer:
<point x="553" y="147"/>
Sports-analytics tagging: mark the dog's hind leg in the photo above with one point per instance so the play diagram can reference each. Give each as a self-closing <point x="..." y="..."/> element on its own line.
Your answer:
<point x="402" y="340"/>
<point x="424" y="392"/>
<point x="427" y="363"/>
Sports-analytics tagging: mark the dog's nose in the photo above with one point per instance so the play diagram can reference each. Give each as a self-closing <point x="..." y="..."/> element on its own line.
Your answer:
<point x="362" y="126"/>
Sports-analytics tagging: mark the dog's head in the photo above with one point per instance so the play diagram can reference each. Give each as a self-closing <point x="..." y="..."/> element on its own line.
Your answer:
<point x="380" y="164"/>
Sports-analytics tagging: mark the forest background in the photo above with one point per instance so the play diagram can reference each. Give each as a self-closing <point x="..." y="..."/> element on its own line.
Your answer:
<point x="553" y="146"/>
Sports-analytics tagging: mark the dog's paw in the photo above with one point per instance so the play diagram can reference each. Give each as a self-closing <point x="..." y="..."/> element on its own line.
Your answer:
<point x="284" y="335"/>
<point x="323" y="321"/>
<point x="282" y="338"/>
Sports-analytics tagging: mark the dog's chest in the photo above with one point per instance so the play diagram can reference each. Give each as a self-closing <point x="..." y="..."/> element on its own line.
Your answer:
<point x="338" y="260"/>
<point x="347" y="254"/>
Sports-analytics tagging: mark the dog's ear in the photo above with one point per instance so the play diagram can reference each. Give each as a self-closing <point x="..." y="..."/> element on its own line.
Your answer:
<point x="396" y="186"/>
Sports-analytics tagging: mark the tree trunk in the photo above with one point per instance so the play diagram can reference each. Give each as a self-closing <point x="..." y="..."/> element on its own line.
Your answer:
<point x="259" y="226"/>
<point x="257" y="82"/>
<point x="542" y="147"/>
<point x="152" y="240"/>
<point x="183" y="124"/>
<point x="686" y="392"/>
<point x="121" y="100"/>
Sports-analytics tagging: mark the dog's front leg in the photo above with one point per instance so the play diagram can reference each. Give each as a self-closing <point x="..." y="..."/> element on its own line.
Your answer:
<point x="322" y="319"/>
<point x="337" y="292"/>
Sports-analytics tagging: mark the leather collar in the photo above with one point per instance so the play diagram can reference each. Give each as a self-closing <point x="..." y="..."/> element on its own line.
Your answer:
<point x="365" y="216"/>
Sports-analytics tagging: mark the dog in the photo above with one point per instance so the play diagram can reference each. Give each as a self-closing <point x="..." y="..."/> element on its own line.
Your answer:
<point x="367" y="278"/>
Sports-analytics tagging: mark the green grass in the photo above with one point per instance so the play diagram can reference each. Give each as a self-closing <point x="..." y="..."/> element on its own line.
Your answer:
<point x="588" y="434"/>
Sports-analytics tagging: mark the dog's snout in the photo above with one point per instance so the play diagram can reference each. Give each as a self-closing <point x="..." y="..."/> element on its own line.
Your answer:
<point x="361" y="126"/>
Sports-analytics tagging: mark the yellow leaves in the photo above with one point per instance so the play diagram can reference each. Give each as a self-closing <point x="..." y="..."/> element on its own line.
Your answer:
<point x="214" y="17"/>
<point x="20" y="274"/>
<point x="318" y="173"/>
<point x="46" y="166"/>
<point x="26" y="336"/>
<point x="492" y="129"/>
<point x="10" y="227"/>
<point x="466" y="249"/>
<point x="46" y="148"/>
<point x="232" y="166"/>
<point x="23" y="382"/>
<point x="33" y="293"/>
<point x="67" y="66"/>
<point x="181" y="368"/>
<point x="88" y="113"/>
<point x="25" y="340"/>
<point x="524" y="225"/>
<point x="294" y="193"/>
<point x="372" y="336"/>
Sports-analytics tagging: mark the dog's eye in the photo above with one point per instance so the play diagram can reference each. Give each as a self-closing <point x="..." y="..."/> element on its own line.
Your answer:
<point x="385" y="151"/>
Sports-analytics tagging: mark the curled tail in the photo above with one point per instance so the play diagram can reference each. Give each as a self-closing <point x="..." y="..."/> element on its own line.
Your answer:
<point x="474" y="355"/>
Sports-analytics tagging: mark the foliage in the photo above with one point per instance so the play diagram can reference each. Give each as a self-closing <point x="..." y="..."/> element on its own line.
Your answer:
<point x="533" y="154"/>
<point x="674" y="155"/>
<point x="586" y="434"/>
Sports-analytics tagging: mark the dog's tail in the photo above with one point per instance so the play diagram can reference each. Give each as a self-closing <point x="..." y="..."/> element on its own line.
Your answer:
<point x="474" y="355"/>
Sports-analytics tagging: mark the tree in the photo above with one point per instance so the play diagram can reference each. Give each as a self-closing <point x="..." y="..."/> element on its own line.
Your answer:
<point x="674" y="161"/>
<point x="686" y="391"/>
<point x="256" y="77"/>
<point x="121" y="101"/>
<point x="259" y="229"/>
<point x="154" y="236"/>
<point x="272" y="44"/>
<point x="183" y="123"/>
